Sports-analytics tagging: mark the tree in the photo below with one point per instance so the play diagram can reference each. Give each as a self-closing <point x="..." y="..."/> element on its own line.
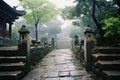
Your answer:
<point x="54" y="29"/>
<point x="96" y="10"/>
<point x="15" y="35"/>
<point x="88" y="9"/>
<point x="67" y="12"/>
<point x="100" y="13"/>
<point x="39" y="12"/>
<point x="76" y="31"/>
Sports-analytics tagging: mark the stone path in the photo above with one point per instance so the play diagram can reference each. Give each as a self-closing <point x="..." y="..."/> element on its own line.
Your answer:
<point x="58" y="65"/>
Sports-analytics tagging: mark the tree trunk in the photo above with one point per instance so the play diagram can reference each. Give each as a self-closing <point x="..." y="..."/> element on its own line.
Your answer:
<point x="36" y="32"/>
<point x="99" y="26"/>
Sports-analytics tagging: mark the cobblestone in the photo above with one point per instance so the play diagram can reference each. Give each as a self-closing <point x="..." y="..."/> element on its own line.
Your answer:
<point x="58" y="65"/>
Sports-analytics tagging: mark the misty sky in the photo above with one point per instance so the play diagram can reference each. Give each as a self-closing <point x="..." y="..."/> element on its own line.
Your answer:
<point x="58" y="3"/>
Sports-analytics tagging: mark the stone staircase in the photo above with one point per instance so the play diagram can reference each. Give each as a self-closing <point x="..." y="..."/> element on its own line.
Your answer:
<point x="106" y="63"/>
<point x="12" y="63"/>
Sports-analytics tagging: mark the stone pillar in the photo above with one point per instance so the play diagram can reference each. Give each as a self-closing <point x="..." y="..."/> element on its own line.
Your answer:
<point x="89" y="44"/>
<point x="24" y="43"/>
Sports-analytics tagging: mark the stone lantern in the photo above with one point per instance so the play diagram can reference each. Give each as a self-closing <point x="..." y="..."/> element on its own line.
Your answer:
<point x="89" y="44"/>
<point x="89" y="35"/>
<point x="24" y="44"/>
<point x="76" y="42"/>
<point x="24" y="34"/>
<point x="24" y="39"/>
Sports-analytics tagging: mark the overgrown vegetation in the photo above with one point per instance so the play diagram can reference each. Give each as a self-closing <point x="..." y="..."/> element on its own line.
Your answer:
<point x="15" y="35"/>
<point x="112" y="31"/>
<point x="104" y="15"/>
<point x="37" y="53"/>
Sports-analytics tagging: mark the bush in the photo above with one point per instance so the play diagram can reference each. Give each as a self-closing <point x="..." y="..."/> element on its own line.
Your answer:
<point x="112" y="31"/>
<point x="37" y="53"/>
<point x="33" y="41"/>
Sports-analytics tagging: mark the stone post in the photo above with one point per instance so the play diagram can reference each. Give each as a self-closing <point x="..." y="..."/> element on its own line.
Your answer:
<point x="24" y="43"/>
<point x="89" y="44"/>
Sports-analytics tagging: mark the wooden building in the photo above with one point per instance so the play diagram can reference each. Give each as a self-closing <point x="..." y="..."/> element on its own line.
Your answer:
<point x="7" y="16"/>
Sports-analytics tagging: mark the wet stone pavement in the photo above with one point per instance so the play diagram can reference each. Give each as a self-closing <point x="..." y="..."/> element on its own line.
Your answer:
<point x="58" y="65"/>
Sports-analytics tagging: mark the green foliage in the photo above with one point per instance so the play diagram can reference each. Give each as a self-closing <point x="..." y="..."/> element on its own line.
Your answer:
<point x="87" y="20"/>
<point x="54" y="29"/>
<point x="112" y="31"/>
<point x="107" y="9"/>
<point x="84" y="7"/>
<point x="76" y="23"/>
<point x="39" y="11"/>
<point x="103" y="9"/>
<point x="76" y="31"/>
<point x="106" y="17"/>
<point x="15" y="35"/>
<point x="111" y="27"/>
<point x="82" y="11"/>
<point x="37" y="53"/>
<point x="67" y="12"/>
<point x="44" y="40"/>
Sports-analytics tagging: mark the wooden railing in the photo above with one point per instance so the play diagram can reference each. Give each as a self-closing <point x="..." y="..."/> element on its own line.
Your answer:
<point x="4" y="33"/>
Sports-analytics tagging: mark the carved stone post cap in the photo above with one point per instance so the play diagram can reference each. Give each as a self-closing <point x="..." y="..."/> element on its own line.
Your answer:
<point x="24" y="30"/>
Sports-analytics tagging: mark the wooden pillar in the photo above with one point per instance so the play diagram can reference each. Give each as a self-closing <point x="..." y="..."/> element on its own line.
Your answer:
<point x="4" y="28"/>
<point x="1" y="34"/>
<point x="10" y="30"/>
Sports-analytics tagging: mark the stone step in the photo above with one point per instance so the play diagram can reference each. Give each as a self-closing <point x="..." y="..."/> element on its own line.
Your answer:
<point x="13" y="59"/>
<point x="108" y="65"/>
<point x="12" y="66"/>
<point x="10" y="51"/>
<point x="106" y="57"/>
<point x="8" y="48"/>
<point x="11" y="75"/>
<point x="108" y="50"/>
<point x="112" y="75"/>
<point x="12" y="63"/>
